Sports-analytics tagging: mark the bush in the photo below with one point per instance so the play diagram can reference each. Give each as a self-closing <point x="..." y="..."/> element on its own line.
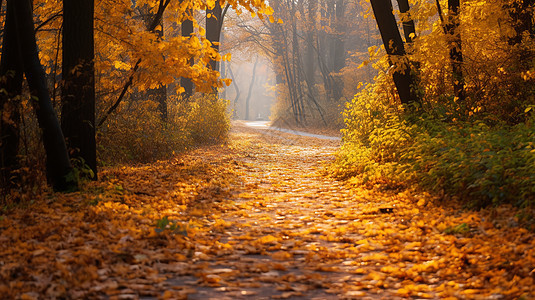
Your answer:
<point x="139" y="135"/>
<point x="480" y="164"/>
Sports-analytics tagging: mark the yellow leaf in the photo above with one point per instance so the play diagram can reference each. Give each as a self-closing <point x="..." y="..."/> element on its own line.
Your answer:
<point x="227" y="57"/>
<point x="281" y="255"/>
<point x="267" y="239"/>
<point x="121" y="65"/>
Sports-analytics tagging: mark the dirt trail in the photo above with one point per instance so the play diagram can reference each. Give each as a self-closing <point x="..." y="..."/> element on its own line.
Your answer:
<point x="257" y="219"/>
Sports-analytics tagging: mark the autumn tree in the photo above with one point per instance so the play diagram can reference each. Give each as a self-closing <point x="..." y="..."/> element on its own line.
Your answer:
<point x="393" y="43"/>
<point x="19" y="19"/>
<point x="249" y="93"/>
<point x="10" y="92"/>
<point x="186" y="29"/>
<point x="78" y="93"/>
<point x="451" y="29"/>
<point x="157" y="94"/>
<point x="214" y="21"/>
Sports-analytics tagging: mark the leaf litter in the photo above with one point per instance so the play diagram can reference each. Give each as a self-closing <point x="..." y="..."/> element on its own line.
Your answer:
<point x="257" y="218"/>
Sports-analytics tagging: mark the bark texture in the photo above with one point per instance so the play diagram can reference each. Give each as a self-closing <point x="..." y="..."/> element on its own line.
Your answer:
<point x="78" y="92"/>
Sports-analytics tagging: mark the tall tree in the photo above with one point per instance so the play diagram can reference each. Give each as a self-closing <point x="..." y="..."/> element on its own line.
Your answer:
<point x="186" y="31"/>
<point x="58" y="165"/>
<point x="238" y="93"/>
<point x="214" y="21"/>
<point x="78" y="92"/>
<point x="455" y="43"/>
<point x="162" y="5"/>
<point x="453" y="37"/>
<point x="382" y="9"/>
<point x="409" y="30"/>
<point x="249" y="93"/>
<point x="157" y="94"/>
<point x="10" y="90"/>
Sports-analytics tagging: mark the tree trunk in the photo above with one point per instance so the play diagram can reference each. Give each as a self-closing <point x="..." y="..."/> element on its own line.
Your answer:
<point x="339" y="58"/>
<point x="58" y="165"/>
<point x="339" y="53"/>
<point x="310" y="66"/>
<point x="393" y="43"/>
<point x="186" y="31"/>
<point x="249" y="93"/>
<point x="213" y="29"/>
<point x="11" y="82"/>
<point x="409" y="30"/>
<point x="238" y="92"/>
<point x="78" y="93"/>
<point x="455" y="44"/>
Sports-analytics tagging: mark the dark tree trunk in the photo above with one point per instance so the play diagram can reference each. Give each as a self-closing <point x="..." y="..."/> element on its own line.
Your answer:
<point x="393" y="43"/>
<point x="58" y="165"/>
<point x="11" y="84"/>
<point x="78" y="93"/>
<point x="455" y="44"/>
<point x="186" y="31"/>
<point x="409" y="30"/>
<point x="249" y="93"/>
<point x="213" y="29"/>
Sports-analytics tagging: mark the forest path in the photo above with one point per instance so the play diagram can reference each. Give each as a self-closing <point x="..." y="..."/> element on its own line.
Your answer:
<point x="295" y="233"/>
<point x="256" y="218"/>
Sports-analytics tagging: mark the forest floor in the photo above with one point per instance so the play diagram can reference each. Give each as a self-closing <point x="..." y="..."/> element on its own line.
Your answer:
<point x="257" y="218"/>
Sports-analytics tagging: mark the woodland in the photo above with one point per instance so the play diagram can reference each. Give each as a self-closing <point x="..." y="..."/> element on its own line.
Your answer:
<point x="130" y="165"/>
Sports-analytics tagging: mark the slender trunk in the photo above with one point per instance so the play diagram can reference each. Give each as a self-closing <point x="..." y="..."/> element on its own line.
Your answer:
<point x="11" y="82"/>
<point x="409" y="30"/>
<point x="213" y="29"/>
<point x="393" y="43"/>
<point x="456" y="54"/>
<point x="310" y="66"/>
<point x="235" y="112"/>
<point x="223" y="69"/>
<point x="78" y="92"/>
<point x="339" y="50"/>
<point x="249" y="93"/>
<point x="186" y="31"/>
<point x="58" y="165"/>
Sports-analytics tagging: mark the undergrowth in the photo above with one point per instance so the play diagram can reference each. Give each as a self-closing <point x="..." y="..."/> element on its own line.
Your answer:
<point x="477" y="163"/>
<point x="140" y="136"/>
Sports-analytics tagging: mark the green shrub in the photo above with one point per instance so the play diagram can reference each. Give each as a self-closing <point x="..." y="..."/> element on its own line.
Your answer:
<point x="478" y="163"/>
<point x="481" y="164"/>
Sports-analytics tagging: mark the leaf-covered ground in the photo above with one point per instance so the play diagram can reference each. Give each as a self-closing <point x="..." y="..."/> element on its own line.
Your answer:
<point x="257" y="218"/>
